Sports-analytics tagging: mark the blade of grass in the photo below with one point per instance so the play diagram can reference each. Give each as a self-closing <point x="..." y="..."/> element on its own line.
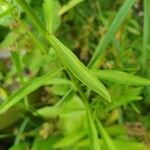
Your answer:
<point x="135" y="108"/>
<point x="111" y="31"/>
<point x="28" y="87"/>
<point x="92" y="131"/>
<point x="21" y="130"/>
<point x="66" y="97"/>
<point x="71" y="62"/>
<point x="107" y="139"/>
<point x="32" y="16"/>
<point x="146" y="33"/>
<point x="121" y="77"/>
<point x="18" y="63"/>
<point x="69" y="5"/>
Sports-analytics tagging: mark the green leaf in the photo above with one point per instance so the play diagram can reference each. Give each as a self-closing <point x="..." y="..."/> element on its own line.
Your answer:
<point x="120" y="144"/>
<point x="93" y="135"/>
<point x="146" y="31"/>
<point x="28" y="87"/>
<point x="107" y="139"/>
<point x="112" y="30"/>
<point x="67" y="57"/>
<point x="9" y="118"/>
<point x="6" y="14"/>
<point x="124" y="95"/>
<point x="69" y="139"/>
<point x="51" y="111"/>
<point x="10" y="38"/>
<point x="69" y="5"/>
<point x="60" y="89"/>
<point x="52" y="18"/>
<point x="77" y="68"/>
<point x="71" y="114"/>
<point x="18" y="63"/>
<point x="121" y="77"/>
<point x="123" y="145"/>
<point x="44" y="144"/>
<point x="67" y="97"/>
<point x="20" y="146"/>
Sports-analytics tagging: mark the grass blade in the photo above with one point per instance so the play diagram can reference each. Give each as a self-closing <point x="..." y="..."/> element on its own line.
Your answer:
<point x="121" y="77"/>
<point x="67" y="57"/>
<point x="112" y="30"/>
<point x="70" y="5"/>
<point x="32" y="16"/>
<point x="146" y="31"/>
<point x="29" y="87"/>
<point x="92" y="132"/>
<point x="105" y="136"/>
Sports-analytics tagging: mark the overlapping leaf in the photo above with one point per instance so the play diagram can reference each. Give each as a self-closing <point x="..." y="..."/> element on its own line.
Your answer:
<point x="67" y="57"/>
<point x="26" y="89"/>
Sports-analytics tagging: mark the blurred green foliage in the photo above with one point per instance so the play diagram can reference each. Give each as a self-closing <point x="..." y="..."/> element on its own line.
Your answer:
<point x="44" y="106"/>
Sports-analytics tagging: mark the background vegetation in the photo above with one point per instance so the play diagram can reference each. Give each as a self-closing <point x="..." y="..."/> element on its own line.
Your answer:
<point x="88" y="88"/>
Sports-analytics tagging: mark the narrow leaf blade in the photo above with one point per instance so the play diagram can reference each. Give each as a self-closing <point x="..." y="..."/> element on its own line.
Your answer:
<point x="122" y="77"/>
<point x="25" y="90"/>
<point x="77" y="68"/>
<point x="109" y="143"/>
<point x="112" y="30"/>
<point x="92" y="132"/>
<point x="146" y="31"/>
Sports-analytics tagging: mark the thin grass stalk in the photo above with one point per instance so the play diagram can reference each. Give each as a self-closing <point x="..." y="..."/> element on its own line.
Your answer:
<point x="105" y="41"/>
